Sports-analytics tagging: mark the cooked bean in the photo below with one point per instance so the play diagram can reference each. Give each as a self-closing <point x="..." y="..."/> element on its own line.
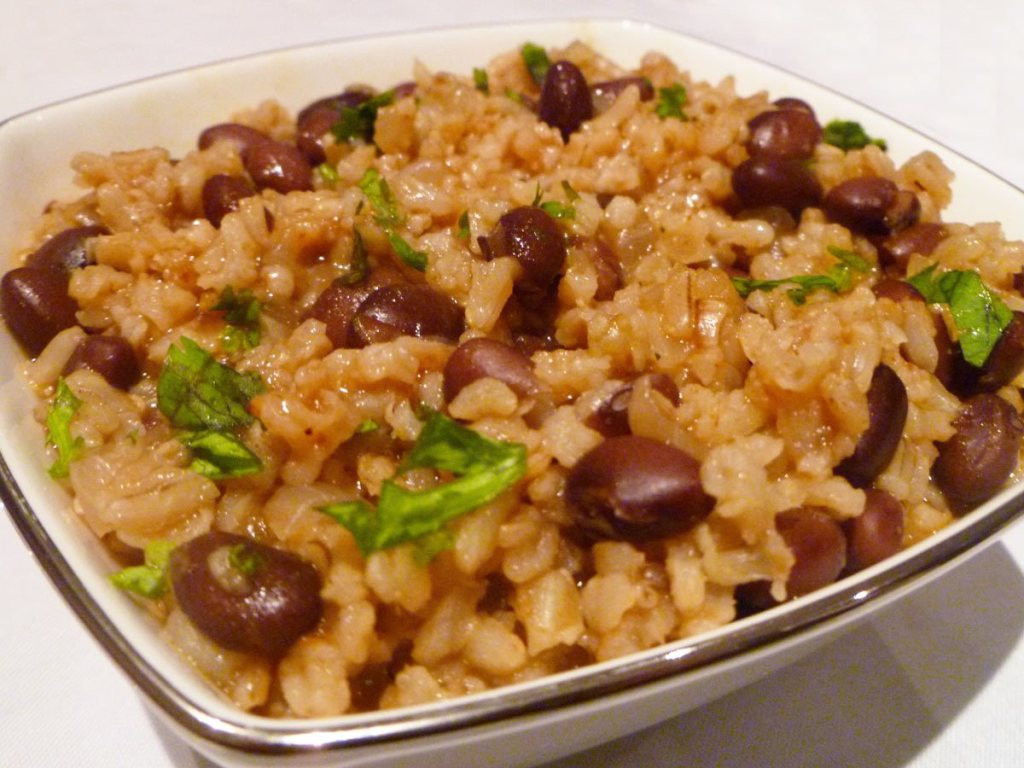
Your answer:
<point x="66" y="251"/>
<point x="871" y="205"/>
<point x="488" y="358"/>
<point x="565" y="101"/>
<point x="278" y="166"/>
<point x="244" y="595"/>
<point x="221" y="195"/>
<point x="352" y="96"/>
<point x="887" y="413"/>
<point x="786" y="182"/>
<point x="605" y="263"/>
<point x="896" y="290"/>
<point x="534" y="239"/>
<point x="789" y="102"/>
<point x="783" y="133"/>
<point x="337" y="304"/>
<point x="636" y="488"/>
<point x="36" y="306"/>
<point x="876" y="533"/>
<point x="819" y="552"/>
<point x="612" y="417"/>
<point x="974" y="463"/>
<point x="817" y="544"/>
<point x="242" y="136"/>
<point x="110" y="356"/>
<point x="405" y="310"/>
<point x="310" y="131"/>
<point x="605" y="93"/>
<point x="921" y="238"/>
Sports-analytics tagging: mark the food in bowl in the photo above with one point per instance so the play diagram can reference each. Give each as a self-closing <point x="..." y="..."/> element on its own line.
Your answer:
<point x="485" y="377"/>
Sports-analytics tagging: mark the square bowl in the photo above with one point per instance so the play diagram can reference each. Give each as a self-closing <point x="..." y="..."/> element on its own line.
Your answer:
<point x="512" y="725"/>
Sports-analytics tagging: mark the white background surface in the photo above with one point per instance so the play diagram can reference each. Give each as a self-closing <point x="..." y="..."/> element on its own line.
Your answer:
<point x="934" y="682"/>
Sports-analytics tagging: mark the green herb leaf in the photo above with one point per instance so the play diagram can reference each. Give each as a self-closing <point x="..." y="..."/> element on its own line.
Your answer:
<point x="671" y="101"/>
<point x="196" y="392"/>
<point x="244" y="559"/>
<point x="359" y="263"/>
<point x="848" y="134"/>
<point x="570" y="194"/>
<point x="838" y="279"/>
<point x="558" y="210"/>
<point x="388" y="216"/>
<point x="58" y="429"/>
<point x="242" y="314"/>
<point x="217" y="455"/>
<point x="480" y="80"/>
<point x="463" y="233"/>
<point x="979" y="315"/>
<point x="430" y="546"/>
<point x="328" y="173"/>
<point x="149" y="579"/>
<point x="367" y="425"/>
<point x="358" y="122"/>
<point x="536" y="60"/>
<point x="516" y="96"/>
<point x="483" y="469"/>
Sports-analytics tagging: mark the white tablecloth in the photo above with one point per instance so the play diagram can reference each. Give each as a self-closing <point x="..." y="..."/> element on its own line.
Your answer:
<point x="934" y="681"/>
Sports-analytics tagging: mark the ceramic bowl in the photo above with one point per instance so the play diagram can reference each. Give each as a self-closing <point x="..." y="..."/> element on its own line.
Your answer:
<point x="523" y="724"/>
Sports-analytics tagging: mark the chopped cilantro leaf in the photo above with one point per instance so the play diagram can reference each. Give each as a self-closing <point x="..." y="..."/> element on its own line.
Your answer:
<point x="150" y="578"/>
<point x="463" y="233"/>
<point x="848" y="134"/>
<point x="367" y="425"/>
<point x="359" y="264"/>
<point x="516" y="96"/>
<point x="388" y="217"/>
<point x="483" y="469"/>
<point x="536" y="60"/>
<point x="570" y="194"/>
<point x="979" y="315"/>
<point x="558" y="210"/>
<point x="58" y="429"/>
<point x="218" y="455"/>
<point x="242" y="314"/>
<point x="838" y="279"/>
<point x="671" y="101"/>
<point x="358" y="122"/>
<point x="244" y="559"/>
<point x="196" y="392"/>
<point x="328" y="173"/>
<point x="480" y="80"/>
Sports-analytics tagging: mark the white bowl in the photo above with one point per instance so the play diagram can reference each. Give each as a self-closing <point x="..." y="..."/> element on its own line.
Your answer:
<point x="518" y="725"/>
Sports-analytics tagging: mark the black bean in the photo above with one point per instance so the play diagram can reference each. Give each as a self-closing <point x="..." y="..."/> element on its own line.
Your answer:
<point x="887" y="413"/>
<point x="876" y="533"/>
<point x="310" y="132"/>
<point x="534" y="239"/>
<point x="565" y="101"/>
<point x="921" y="238"/>
<point x="819" y="552"/>
<point x="244" y="595"/>
<point x="351" y="97"/>
<point x="1006" y="360"/>
<point x="896" y="290"/>
<point x="783" y="133"/>
<point x="789" y="102"/>
<point x="405" y="310"/>
<point x="278" y="166"/>
<point x="337" y="304"/>
<point x="36" y="306"/>
<point x="110" y="356"/>
<point x="605" y="93"/>
<point x="978" y="459"/>
<point x="871" y="205"/>
<point x="221" y="195"/>
<point x="636" y="488"/>
<point x="611" y="418"/>
<point x="764" y="181"/>
<point x="488" y="358"/>
<point x="242" y="136"/>
<point x="66" y="251"/>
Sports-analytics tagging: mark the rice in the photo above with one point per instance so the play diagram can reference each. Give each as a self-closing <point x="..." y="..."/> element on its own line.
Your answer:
<point x="767" y="395"/>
